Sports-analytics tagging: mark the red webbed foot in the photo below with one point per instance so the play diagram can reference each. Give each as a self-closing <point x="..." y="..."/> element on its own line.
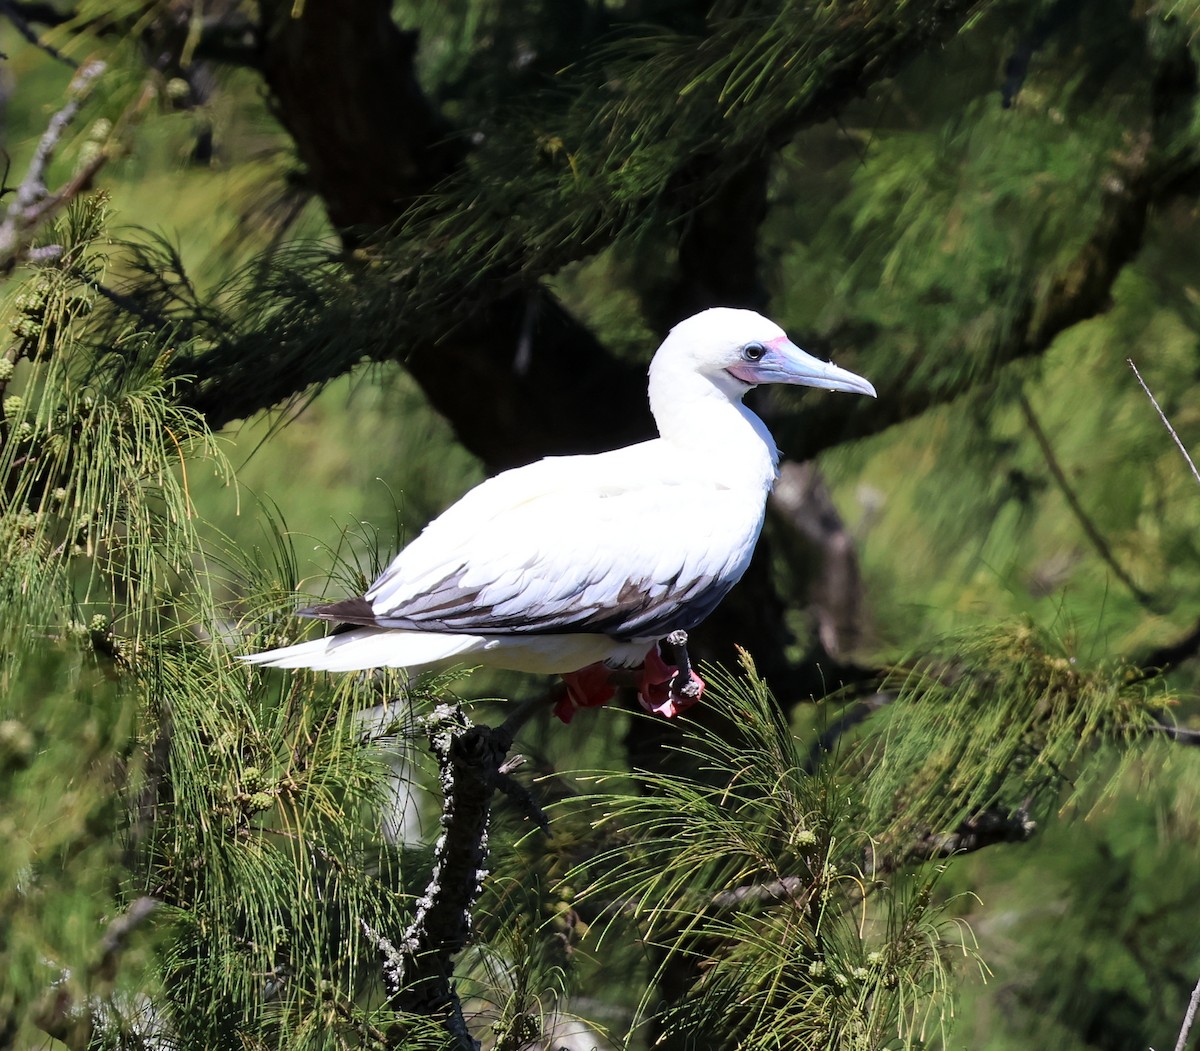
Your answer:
<point x="662" y="688"/>
<point x="667" y="689"/>
<point x="588" y="687"/>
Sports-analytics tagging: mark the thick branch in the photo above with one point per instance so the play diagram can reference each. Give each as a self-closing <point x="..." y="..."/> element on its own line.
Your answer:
<point x="469" y="758"/>
<point x="803" y="500"/>
<point x="983" y="830"/>
<point x="509" y="382"/>
<point x="418" y="972"/>
<point x="344" y="86"/>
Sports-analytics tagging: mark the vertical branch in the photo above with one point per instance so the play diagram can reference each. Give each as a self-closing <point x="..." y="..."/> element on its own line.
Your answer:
<point x="469" y="758"/>
<point x="419" y="972"/>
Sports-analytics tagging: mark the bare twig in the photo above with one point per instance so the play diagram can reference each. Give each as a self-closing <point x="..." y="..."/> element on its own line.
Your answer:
<point x="34" y="203"/>
<point x="1179" y="734"/>
<point x="1163" y="416"/>
<point x="20" y="15"/>
<point x="1193" y="1003"/>
<point x="1081" y="516"/>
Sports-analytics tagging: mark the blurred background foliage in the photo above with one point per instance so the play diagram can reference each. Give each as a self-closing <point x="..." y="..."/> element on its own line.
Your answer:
<point x="326" y="269"/>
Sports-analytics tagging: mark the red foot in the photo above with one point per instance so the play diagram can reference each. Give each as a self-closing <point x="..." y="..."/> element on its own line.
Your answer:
<point x="587" y="688"/>
<point x="658" y="692"/>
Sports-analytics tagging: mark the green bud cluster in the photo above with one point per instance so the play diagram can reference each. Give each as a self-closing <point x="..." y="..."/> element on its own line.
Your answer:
<point x="13" y="405"/>
<point x="260" y="801"/>
<point x="7" y="368"/>
<point x="26" y="328"/>
<point x="33" y="297"/>
<point x="26" y="520"/>
<point x="89" y="152"/>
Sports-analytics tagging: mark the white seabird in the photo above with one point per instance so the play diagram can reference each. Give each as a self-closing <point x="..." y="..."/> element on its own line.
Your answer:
<point x="575" y="565"/>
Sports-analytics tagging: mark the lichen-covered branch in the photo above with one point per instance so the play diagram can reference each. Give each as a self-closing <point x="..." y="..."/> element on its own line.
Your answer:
<point x="62" y="1013"/>
<point x="34" y="203"/>
<point x="418" y="971"/>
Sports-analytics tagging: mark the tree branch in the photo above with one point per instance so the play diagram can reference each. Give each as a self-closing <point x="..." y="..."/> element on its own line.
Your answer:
<point x="1095" y="537"/>
<point x="418" y="972"/>
<point x="22" y="14"/>
<point x="853" y="716"/>
<point x="1188" y="1019"/>
<point x="34" y="203"/>
<point x="835" y="595"/>
<point x="61" y="1014"/>
<point x="1154" y="170"/>
<point x="985" y="829"/>
<point x="344" y="84"/>
<point x="373" y="143"/>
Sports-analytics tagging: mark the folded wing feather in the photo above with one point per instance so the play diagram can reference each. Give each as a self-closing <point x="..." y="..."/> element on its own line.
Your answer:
<point x="620" y="549"/>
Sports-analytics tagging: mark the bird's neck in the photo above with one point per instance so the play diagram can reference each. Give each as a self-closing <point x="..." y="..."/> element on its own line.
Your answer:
<point x="712" y="427"/>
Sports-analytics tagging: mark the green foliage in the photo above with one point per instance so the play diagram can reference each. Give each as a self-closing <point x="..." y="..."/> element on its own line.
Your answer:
<point x="94" y="451"/>
<point x="753" y="883"/>
<point x="68" y="756"/>
<point x="927" y="235"/>
<point x="1031" y="720"/>
<point x="248" y="810"/>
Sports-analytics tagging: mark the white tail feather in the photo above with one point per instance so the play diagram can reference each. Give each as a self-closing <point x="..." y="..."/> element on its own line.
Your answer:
<point x="362" y="648"/>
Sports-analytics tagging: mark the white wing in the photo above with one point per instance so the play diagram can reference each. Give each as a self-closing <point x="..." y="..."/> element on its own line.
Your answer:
<point x="614" y="544"/>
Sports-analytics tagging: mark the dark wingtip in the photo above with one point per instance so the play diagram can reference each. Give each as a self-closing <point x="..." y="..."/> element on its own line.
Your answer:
<point x="355" y="610"/>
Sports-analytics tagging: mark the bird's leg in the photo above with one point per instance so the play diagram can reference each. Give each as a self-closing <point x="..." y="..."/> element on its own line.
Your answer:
<point x="668" y="684"/>
<point x="588" y="687"/>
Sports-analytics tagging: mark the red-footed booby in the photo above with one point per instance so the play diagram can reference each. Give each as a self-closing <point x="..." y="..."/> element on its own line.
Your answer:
<point x="575" y="565"/>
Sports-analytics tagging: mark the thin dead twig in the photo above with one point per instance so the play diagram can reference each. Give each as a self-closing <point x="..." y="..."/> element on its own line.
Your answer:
<point x="1090" y="530"/>
<point x="1193" y="1003"/>
<point x="1163" y="416"/>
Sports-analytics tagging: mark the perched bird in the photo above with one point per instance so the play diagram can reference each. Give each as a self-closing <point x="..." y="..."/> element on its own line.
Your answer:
<point x="577" y="565"/>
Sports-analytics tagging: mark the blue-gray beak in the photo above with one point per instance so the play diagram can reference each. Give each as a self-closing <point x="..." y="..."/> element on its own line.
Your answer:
<point x="784" y="362"/>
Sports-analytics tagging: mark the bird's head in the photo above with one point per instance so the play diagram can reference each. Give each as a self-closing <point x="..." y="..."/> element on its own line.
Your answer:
<point x="739" y="349"/>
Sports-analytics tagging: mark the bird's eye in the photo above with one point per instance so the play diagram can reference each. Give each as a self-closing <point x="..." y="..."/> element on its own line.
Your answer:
<point x="753" y="351"/>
